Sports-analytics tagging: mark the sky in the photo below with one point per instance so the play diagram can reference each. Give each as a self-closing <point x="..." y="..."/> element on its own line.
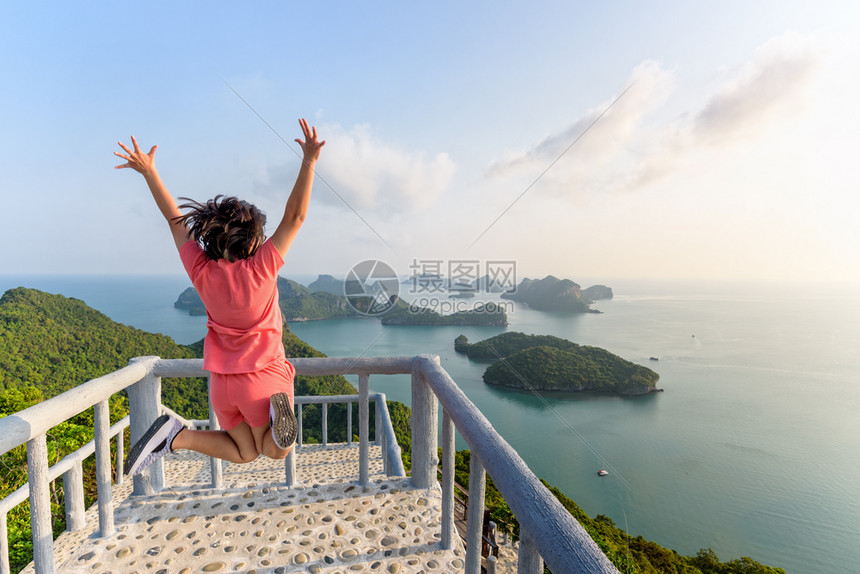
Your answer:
<point x="660" y="140"/>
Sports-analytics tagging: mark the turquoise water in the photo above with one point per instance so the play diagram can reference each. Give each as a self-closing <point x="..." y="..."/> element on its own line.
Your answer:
<point x="752" y="449"/>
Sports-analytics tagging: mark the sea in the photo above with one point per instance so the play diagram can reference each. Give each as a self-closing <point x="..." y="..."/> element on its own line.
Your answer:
<point x="752" y="449"/>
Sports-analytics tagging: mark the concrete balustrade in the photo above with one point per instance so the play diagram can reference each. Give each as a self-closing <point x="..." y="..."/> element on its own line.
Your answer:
<point x="548" y="531"/>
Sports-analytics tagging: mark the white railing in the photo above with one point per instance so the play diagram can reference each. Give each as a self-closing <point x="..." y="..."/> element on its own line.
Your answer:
<point x="547" y="530"/>
<point x="384" y="430"/>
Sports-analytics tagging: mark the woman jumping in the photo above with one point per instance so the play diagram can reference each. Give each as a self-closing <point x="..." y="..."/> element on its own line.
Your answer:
<point x="234" y="268"/>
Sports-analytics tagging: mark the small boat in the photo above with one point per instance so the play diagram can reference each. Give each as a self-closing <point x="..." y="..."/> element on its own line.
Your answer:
<point x="602" y="472"/>
<point x="655" y="358"/>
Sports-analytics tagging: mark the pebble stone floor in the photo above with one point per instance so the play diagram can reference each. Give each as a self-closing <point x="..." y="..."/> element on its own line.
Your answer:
<point x="326" y="524"/>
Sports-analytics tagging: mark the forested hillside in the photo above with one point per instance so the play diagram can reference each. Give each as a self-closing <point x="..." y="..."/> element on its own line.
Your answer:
<point x="56" y="343"/>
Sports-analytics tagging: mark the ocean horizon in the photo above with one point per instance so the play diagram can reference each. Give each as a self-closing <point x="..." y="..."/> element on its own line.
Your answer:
<point x="752" y="449"/>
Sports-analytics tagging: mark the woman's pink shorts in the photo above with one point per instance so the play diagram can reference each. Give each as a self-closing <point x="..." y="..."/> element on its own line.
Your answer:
<point x="245" y="396"/>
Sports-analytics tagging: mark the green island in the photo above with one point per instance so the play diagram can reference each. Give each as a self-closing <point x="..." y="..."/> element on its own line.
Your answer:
<point x="547" y="363"/>
<point x="51" y="343"/>
<point x="402" y="313"/>
<point x="597" y="292"/>
<point x="300" y="303"/>
<point x="557" y="295"/>
<point x="297" y="303"/>
<point x="328" y="284"/>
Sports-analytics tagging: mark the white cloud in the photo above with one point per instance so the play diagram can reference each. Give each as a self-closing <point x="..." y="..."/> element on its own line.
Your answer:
<point x="605" y="141"/>
<point x="770" y="86"/>
<point x="624" y="152"/>
<point x="372" y="175"/>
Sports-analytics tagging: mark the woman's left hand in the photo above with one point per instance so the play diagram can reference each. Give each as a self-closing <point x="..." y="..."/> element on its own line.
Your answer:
<point x="140" y="162"/>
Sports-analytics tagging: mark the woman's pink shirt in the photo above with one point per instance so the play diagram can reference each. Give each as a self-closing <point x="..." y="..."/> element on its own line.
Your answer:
<point x="241" y="299"/>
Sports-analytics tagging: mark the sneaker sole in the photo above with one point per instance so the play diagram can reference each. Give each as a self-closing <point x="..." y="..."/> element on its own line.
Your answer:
<point x="285" y="428"/>
<point x="155" y="435"/>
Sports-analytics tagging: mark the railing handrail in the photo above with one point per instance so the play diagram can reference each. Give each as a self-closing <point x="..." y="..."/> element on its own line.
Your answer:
<point x="564" y="544"/>
<point x="18" y="428"/>
<point x="310" y="366"/>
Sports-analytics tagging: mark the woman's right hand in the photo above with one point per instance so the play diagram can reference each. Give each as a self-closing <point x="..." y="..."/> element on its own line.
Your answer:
<point x="311" y="146"/>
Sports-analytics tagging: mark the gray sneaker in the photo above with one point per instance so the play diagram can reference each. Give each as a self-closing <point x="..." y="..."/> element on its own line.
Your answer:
<point x="285" y="428"/>
<point x="154" y="444"/>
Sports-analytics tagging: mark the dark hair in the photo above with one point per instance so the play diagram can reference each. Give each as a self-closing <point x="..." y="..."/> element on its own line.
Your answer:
<point x="226" y="227"/>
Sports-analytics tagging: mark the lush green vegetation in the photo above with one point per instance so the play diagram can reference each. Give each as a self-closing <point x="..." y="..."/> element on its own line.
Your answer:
<point x="56" y="343"/>
<point x="581" y="369"/>
<point x="629" y="554"/>
<point x="544" y="362"/>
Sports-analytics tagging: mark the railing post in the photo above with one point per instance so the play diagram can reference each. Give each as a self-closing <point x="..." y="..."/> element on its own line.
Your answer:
<point x="381" y="436"/>
<point x="215" y="467"/>
<point x="491" y="565"/>
<point x="103" y="468"/>
<point x="529" y="560"/>
<point x="299" y="420"/>
<point x="448" y="530"/>
<point x="40" y="505"/>
<point x="4" y="546"/>
<point x="73" y="487"/>
<point x="325" y="424"/>
<point x="363" y="415"/>
<point x="424" y="423"/>
<point x="120" y="457"/>
<point x="349" y="423"/>
<point x="378" y="435"/>
<point x="475" y="514"/>
<point x="144" y="398"/>
<point x="290" y="468"/>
